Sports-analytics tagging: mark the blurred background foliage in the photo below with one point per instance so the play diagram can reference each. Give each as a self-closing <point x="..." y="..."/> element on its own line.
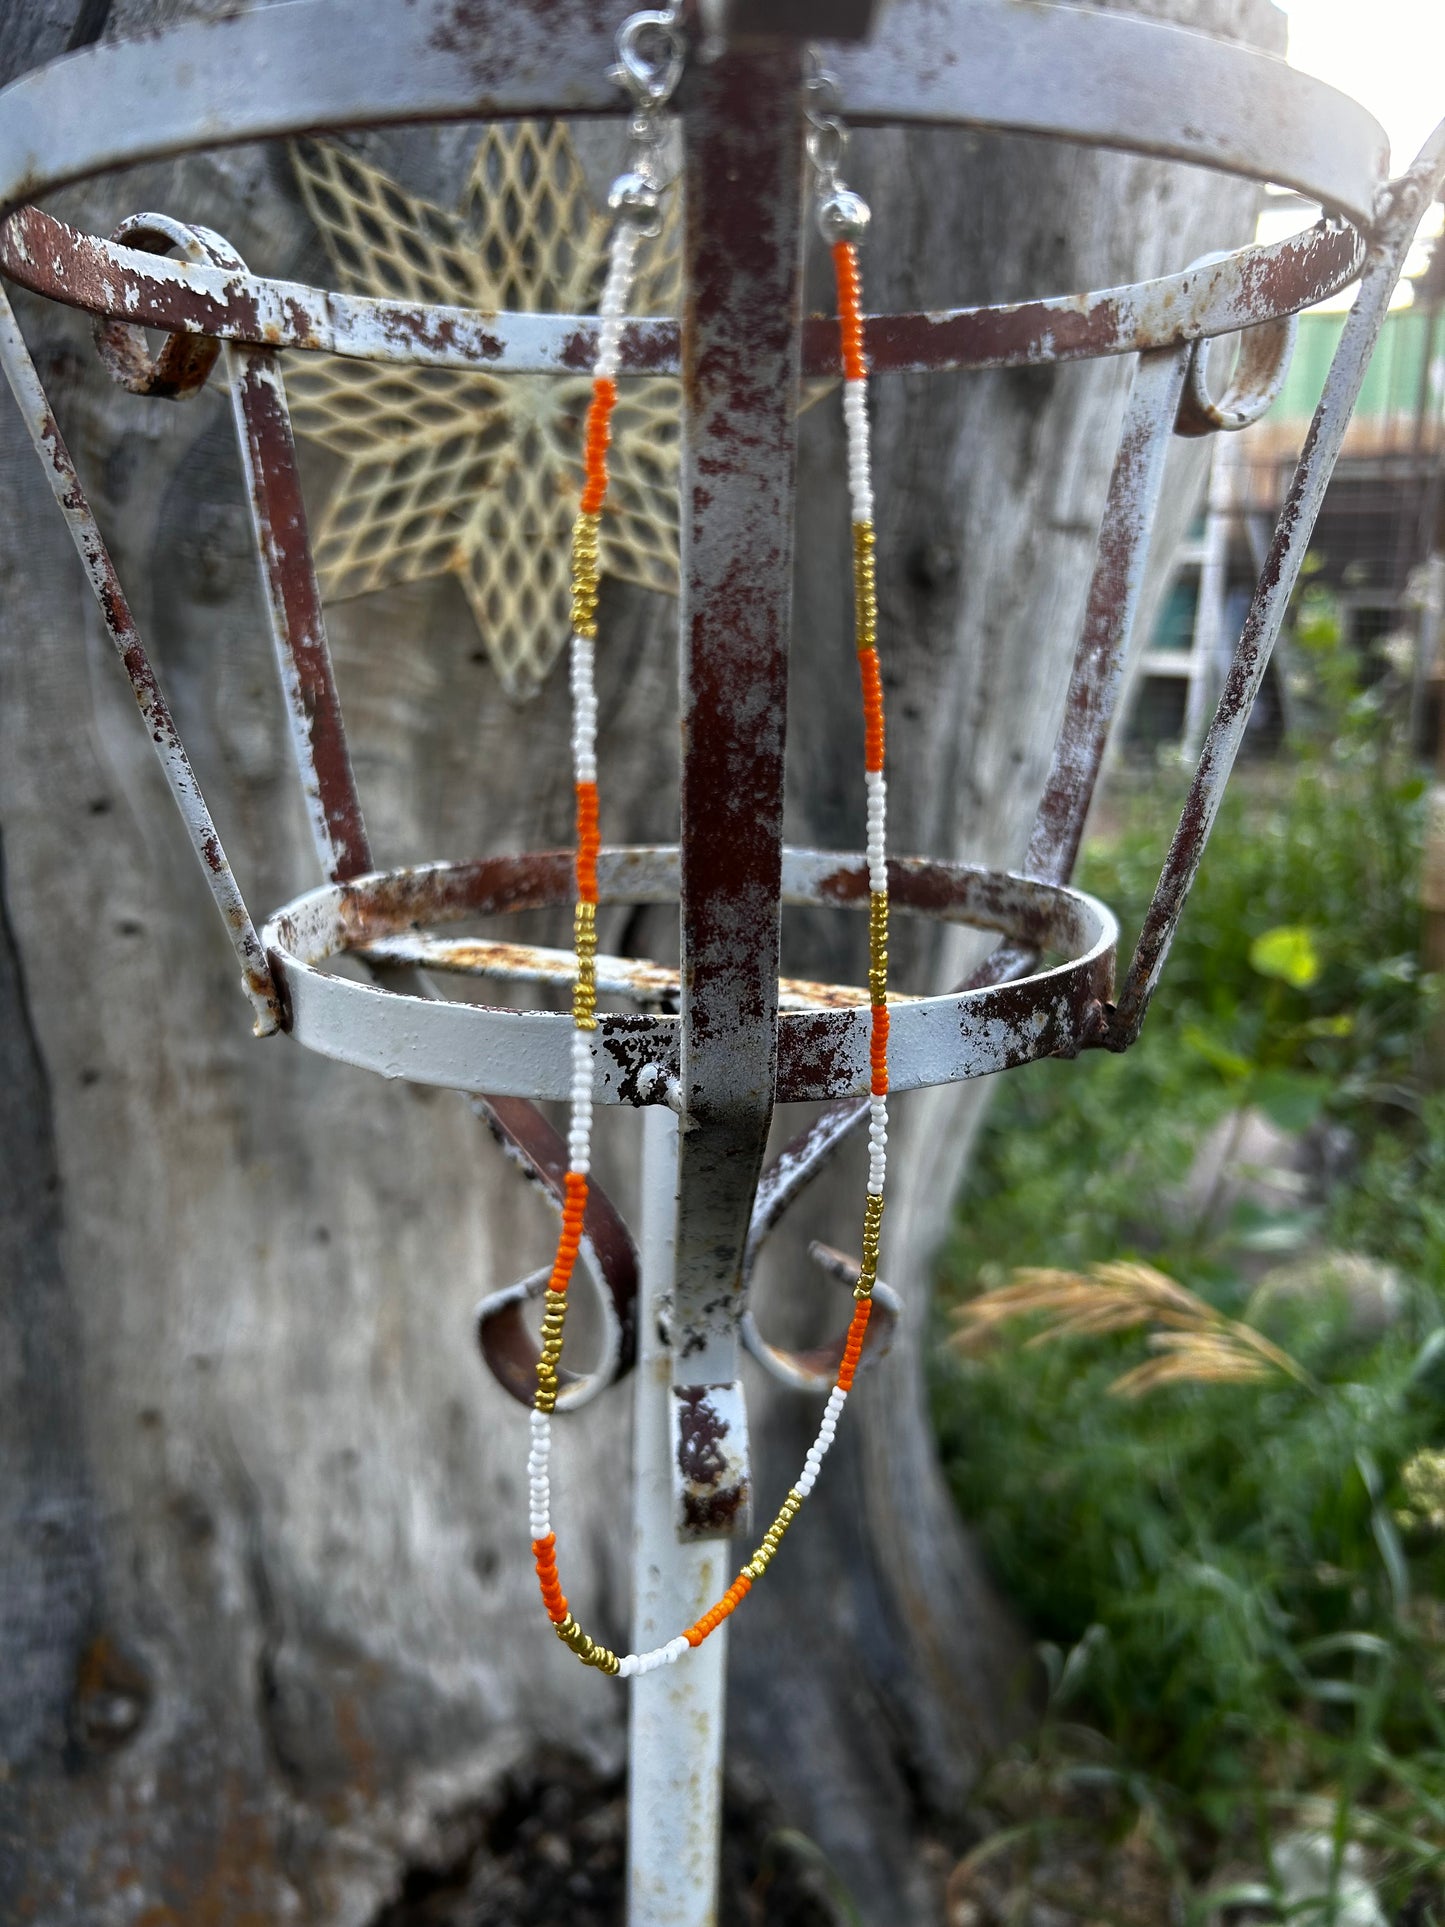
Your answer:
<point x="1236" y="1577"/>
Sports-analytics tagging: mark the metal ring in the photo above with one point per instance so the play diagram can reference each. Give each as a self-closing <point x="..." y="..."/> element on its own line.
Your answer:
<point x="827" y="141"/>
<point x="184" y="363"/>
<point x="650" y="78"/>
<point x="1254" y="381"/>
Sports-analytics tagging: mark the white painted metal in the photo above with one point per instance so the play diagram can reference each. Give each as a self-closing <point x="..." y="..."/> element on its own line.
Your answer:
<point x="675" y="1715"/>
<point x="1076" y="74"/>
<point x="1118" y="80"/>
<point x="475" y="1047"/>
<point x="1208" y="640"/>
<point x="1214" y="297"/>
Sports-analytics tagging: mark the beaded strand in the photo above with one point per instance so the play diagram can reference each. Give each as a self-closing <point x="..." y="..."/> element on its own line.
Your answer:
<point x="842" y="215"/>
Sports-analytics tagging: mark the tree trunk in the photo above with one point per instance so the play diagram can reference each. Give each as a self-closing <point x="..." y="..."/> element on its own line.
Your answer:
<point x="267" y="1619"/>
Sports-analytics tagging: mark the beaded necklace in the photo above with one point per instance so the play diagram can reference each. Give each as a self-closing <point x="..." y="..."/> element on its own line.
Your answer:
<point x="842" y="219"/>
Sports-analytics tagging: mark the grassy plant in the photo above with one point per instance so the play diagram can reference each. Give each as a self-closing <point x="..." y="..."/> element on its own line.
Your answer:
<point x="1229" y="1511"/>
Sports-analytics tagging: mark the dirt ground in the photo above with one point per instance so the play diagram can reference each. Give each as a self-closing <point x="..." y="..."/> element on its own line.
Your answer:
<point x="551" y="1848"/>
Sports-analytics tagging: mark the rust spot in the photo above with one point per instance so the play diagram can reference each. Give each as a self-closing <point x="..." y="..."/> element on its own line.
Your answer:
<point x="111" y="1698"/>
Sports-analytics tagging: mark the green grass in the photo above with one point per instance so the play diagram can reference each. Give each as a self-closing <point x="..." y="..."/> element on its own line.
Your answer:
<point x="1237" y="1591"/>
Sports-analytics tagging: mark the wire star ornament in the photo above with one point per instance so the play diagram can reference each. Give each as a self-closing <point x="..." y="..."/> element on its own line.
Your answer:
<point x="449" y="472"/>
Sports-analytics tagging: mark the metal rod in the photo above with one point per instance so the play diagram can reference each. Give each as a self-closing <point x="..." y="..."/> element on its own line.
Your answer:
<point x="1409" y="197"/>
<point x="675" y="1715"/>
<point x="743" y="160"/>
<point x="1253" y="285"/>
<point x="1103" y="649"/>
<point x="60" y="472"/>
<point x="293" y="609"/>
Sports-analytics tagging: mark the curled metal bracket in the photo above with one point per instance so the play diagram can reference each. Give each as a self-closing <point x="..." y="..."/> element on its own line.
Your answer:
<point x="609" y="1258"/>
<point x="1254" y="381"/>
<point x="184" y="363"/>
<point x="815" y="1368"/>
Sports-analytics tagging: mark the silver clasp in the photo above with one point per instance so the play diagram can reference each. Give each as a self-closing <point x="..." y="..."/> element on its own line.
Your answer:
<point x="650" y="56"/>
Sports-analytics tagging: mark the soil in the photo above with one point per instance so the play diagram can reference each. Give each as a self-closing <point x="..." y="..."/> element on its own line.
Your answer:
<point x="550" y="1848"/>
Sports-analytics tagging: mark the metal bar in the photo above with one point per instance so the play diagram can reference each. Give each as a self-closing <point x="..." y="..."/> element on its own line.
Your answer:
<point x="1118" y="579"/>
<point x="1208" y="637"/>
<point x="821" y="1053"/>
<point x="1117" y="80"/>
<point x="293" y="608"/>
<point x="100" y="571"/>
<point x="1077" y="74"/>
<point x="675" y="1715"/>
<point x="1409" y="197"/>
<point x="743" y="155"/>
<point x="1241" y="290"/>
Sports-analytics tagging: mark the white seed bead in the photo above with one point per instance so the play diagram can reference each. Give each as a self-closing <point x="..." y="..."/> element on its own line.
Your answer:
<point x="613" y="306"/>
<point x="860" y="481"/>
<point x="877" y="791"/>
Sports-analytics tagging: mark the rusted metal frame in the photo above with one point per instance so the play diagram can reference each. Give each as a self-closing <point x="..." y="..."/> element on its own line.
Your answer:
<point x="293" y="602"/>
<point x="1406" y="202"/>
<point x="805" y="1156"/>
<point x="742" y="280"/>
<point x="298" y="628"/>
<point x="100" y="571"/>
<point x="821" y="1053"/>
<point x="1118" y="80"/>
<point x="814" y="1368"/>
<point x="1100" y="78"/>
<point x="1114" y="591"/>
<point x="644" y="982"/>
<point x="276" y="71"/>
<point x="676" y="1715"/>
<point x="1241" y="290"/>
<point x="1088" y="710"/>
<point x="1253" y="386"/>
<point x="288" y="579"/>
<point x="293" y="607"/>
<point x="1100" y="660"/>
<point x="507" y="1344"/>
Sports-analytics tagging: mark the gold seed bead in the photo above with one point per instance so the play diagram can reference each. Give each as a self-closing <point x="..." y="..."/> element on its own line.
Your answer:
<point x="872" y="1233"/>
<point x="587" y="1649"/>
<point x="878" y="920"/>
<point x="865" y="593"/>
<point x="584" y="942"/>
<point x="585" y="574"/>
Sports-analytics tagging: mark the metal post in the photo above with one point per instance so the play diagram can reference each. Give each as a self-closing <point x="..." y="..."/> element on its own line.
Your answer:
<point x="743" y="165"/>
<point x="675" y="1717"/>
<point x="1208" y="637"/>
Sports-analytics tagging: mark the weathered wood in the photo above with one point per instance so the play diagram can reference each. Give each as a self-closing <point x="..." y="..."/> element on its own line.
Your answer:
<point x="264" y="1600"/>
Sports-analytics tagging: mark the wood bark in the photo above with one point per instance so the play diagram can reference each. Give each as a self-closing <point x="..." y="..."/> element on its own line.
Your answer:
<point x="266" y="1616"/>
